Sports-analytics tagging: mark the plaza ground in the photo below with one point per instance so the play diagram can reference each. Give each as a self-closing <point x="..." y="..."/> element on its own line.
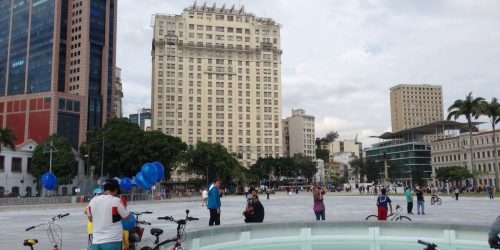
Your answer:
<point x="280" y="208"/>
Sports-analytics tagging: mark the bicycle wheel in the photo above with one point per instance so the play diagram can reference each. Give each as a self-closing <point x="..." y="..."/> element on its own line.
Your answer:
<point x="403" y="218"/>
<point x="439" y="201"/>
<point x="372" y="218"/>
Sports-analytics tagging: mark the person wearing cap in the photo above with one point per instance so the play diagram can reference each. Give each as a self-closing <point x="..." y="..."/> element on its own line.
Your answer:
<point x="106" y="212"/>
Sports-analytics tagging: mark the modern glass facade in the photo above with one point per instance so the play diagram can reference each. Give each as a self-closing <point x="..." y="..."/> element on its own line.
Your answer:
<point x="4" y="42"/>
<point x="18" y="47"/>
<point x="41" y="46"/>
<point x="97" y="42"/>
<point x="407" y="159"/>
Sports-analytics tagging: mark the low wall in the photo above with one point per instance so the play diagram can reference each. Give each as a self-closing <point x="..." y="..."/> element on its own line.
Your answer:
<point x="338" y="235"/>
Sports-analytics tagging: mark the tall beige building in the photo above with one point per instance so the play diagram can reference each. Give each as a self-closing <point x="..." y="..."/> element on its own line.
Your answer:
<point x="217" y="78"/>
<point x="414" y="105"/>
<point x="299" y="134"/>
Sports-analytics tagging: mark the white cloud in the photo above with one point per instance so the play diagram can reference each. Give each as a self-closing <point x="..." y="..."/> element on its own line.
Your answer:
<point x="340" y="57"/>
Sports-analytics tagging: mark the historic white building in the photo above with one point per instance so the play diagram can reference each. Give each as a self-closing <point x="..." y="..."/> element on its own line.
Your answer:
<point x="16" y="179"/>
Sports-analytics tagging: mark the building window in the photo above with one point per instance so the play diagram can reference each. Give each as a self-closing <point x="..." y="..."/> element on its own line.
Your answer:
<point x="16" y="165"/>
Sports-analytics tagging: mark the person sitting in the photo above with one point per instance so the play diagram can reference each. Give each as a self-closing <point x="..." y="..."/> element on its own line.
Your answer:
<point x="254" y="211"/>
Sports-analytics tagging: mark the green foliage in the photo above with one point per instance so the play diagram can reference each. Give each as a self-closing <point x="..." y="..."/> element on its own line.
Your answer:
<point x="331" y="136"/>
<point x="372" y="171"/>
<point x="286" y="167"/>
<point x="304" y="166"/>
<point x="323" y="154"/>
<point x="262" y="168"/>
<point x="418" y="176"/>
<point x="64" y="165"/>
<point x="455" y="173"/>
<point x="127" y="148"/>
<point x="214" y="159"/>
<point x="7" y="138"/>
<point x="469" y="107"/>
<point x="359" y="166"/>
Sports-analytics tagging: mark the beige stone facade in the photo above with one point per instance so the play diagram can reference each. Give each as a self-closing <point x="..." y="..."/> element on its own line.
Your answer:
<point x="414" y="105"/>
<point x="299" y="134"/>
<point x="454" y="151"/>
<point x="345" y="146"/>
<point x="118" y="94"/>
<point x="216" y="77"/>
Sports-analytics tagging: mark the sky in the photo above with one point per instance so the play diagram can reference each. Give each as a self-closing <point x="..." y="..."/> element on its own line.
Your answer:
<point x="340" y="57"/>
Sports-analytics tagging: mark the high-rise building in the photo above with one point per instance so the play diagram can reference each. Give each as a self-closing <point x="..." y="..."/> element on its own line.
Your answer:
<point x="57" y="61"/>
<point x="217" y="78"/>
<point x="298" y="133"/>
<point x="346" y="146"/>
<point x="414" y="105"/>
<point x="118" y="94"/>
<point x="142" y="118"/>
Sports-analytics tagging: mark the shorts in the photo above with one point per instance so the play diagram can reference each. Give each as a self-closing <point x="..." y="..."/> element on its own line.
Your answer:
<point x="108" y="246"/>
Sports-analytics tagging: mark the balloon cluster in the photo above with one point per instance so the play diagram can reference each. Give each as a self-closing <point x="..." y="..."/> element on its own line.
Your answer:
<point x="150" y="174"/>
<point x="49" y="181"/>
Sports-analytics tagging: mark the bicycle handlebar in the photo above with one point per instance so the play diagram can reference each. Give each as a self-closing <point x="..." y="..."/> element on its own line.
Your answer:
<point x="29" y="228"/>
<point x="141" y="213"/>
<point x="165" y="218"/>
<point x="143" y="222"/>
<point x="423" y="242"/>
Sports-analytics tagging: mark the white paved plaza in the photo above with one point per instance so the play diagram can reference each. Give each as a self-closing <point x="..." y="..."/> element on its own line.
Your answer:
<point x="280" y="208"/>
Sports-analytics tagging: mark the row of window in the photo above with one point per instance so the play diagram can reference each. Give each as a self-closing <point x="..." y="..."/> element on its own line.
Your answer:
<point x="455" y="145"/>
<point x="16" y="164"/>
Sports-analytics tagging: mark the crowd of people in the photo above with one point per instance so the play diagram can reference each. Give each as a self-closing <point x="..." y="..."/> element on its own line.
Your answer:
<point x="106" y="211"/>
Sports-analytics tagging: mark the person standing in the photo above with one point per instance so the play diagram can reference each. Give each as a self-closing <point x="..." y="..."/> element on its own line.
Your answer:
<point x="420" y="201"/>
<point x="90" y="225"/>
<point x="204" y="196"/>
<point x="214" y="203"/>
<point x="383" y="202"/>
<point x="457" y="192"/>
<point x="106" y="212"/>
<point x="319" y="206"/>
<point x="490" y="192"/>
<point x="409" y="200"/>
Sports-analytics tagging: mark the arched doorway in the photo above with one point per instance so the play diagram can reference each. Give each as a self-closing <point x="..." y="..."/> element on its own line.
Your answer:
<point x="15" y="191"/>
<point x="64" y="191"/>
<point x="28" y="192"/>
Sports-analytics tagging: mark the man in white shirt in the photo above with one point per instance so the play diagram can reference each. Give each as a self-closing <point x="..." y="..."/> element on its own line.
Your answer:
<point x="204" y="195"/>
<point x="106" y="212"/>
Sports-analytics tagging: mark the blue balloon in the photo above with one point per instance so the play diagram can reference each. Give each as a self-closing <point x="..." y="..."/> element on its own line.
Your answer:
<point x="160" y="169"/>
<point x="49" y="181"/>
<point x="126" y="184"/>
<point x="149" y="173"/>
<point x="139" y="179"/>
<point x="130" y="224"/>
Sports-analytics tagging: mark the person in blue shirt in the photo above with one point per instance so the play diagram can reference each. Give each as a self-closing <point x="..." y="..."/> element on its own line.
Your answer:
<point x="214" y="203"/>
<point x="382" y="203"/>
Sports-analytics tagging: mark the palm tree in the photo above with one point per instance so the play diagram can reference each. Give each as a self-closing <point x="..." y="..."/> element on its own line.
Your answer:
<point x="7" y="138"/>
<point x="470" y="108"/>
<point x="492" y="110"/>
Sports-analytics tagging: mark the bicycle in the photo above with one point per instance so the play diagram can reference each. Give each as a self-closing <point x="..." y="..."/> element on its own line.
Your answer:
<point x="428" y="246"/>
<point x="436" y="200"/>
<point x="394" y="216"/>
<point x="179" y="238"/>
<point x="54" y="233"/>
<point x="136" y="235"/>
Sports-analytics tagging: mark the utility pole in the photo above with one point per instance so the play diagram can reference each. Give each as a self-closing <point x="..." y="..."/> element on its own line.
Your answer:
<point x="51" y="150"/>
<point x="385" y="169"/>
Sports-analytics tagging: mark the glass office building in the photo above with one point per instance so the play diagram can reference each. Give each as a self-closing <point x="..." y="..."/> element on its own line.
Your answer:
<point x="57" y="61"/>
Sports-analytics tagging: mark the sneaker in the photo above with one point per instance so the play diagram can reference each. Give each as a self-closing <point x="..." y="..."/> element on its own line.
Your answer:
<point x="423" y="213"/>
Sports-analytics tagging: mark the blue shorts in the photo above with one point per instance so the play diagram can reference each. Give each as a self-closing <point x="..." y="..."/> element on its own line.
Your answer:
<point x="108" y="246"/>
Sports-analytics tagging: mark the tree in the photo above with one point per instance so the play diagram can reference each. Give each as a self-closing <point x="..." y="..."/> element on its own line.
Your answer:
<point x="64" y="164"/>
<point x="304" y="166"/>
<point x="372" y="171"/>
<point x="359" y="166"/>
<point x="262" y="168"/>
<point x="470" y="107"/>
<point x="454" y="173"/>
<point x="127" y="148"/>
<point x="163" y="148"/>
<point x="7" y="138"/>
<point x="285" y="167"/>
<point x="331" y="136"/>
<point x="323" y="154"/>
<point x="212" y="160"/>
<point x="492" y="110"/>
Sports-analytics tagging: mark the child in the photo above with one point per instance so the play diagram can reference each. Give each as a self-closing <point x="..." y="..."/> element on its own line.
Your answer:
<point x="382" y="201"/>
<point x="126" y="234"/>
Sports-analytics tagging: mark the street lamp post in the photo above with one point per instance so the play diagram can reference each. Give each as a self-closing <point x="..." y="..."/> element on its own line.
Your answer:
<point x="102" y="155"/>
